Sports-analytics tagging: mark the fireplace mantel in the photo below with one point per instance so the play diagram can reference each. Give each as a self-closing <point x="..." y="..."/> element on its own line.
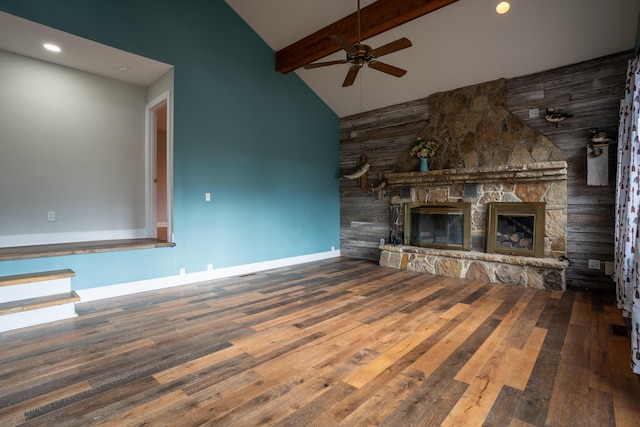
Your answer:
<point x="532" y="172"/>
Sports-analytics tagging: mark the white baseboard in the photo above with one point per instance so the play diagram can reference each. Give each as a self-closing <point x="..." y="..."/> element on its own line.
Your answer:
<point x="83" y="236"/>
<point x="111" y="291"/>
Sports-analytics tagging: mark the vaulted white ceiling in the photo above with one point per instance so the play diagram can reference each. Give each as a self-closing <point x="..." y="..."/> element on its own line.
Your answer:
<point x="461" y="44"/>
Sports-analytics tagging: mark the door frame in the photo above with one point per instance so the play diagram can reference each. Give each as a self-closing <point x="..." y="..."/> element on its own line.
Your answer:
<point x="150" y="165"/>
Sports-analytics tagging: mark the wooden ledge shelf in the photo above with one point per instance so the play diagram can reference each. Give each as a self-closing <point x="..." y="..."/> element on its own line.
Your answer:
<point x="77" y="248"/>
<point x="38" y="302"/>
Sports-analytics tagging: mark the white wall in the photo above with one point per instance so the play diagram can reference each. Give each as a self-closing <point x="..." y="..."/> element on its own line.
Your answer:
<point x="73" y="143"/>
<point x="160" y="86"/>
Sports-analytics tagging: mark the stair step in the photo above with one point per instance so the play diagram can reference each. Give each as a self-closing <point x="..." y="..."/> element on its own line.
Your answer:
<point x="38" y="302"/>
<point x="19" y="279"/>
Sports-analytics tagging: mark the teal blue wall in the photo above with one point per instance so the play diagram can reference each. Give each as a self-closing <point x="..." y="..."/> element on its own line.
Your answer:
<point x="263" y="144"/>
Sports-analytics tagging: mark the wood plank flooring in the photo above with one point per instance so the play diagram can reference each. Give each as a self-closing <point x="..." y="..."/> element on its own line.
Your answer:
<point x="340" y="342"/>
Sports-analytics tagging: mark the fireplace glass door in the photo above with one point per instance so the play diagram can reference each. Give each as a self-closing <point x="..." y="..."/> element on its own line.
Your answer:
<point x="516" y="228"/>
<point x="445" y="226"/>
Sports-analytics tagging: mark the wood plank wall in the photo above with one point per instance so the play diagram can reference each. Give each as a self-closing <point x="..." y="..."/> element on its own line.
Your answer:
<point x="382" y="136"/>
<point x="591" y="91"/>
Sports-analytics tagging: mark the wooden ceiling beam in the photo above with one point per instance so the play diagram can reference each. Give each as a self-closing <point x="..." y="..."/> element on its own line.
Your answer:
<point x="376" y="18"/>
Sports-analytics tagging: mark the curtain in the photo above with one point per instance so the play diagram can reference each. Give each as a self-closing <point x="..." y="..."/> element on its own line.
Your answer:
<point x="627" y="239"/>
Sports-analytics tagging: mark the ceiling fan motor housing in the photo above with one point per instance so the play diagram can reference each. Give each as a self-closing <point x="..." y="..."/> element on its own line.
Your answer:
<point x="363" y="56"/>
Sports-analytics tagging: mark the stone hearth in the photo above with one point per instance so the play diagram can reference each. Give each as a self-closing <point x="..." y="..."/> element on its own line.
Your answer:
<point x="539" y="273"/>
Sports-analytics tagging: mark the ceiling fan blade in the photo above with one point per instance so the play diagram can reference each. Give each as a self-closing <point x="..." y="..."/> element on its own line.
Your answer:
<point x="324" y="64"/>
<point x="342" y="41"/>
<point x="351" y="76"/>
<point x="386" y="68"/>
<point x="388" y="48"/>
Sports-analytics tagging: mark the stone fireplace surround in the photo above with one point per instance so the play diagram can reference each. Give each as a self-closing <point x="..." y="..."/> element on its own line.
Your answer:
<point x="536" y="182"/>
<point x="481" y="142"/>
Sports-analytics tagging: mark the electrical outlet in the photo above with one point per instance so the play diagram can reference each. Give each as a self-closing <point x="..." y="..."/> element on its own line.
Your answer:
<point x="533" y="113"/>
<point x="183" y="271"/>
<point x="594" y="264"/>
<point x="207" y="197"/>
<point x="51" y="216"/>
<point x="382" y="241"/>
<point x="333" y="248"/>
<point x="209" y="267"/>
<point x="608" y="268"/>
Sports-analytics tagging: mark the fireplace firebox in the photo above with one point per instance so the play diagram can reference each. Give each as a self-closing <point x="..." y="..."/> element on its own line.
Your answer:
<point x="516" y="229"/>
<point x="442" y="225"/>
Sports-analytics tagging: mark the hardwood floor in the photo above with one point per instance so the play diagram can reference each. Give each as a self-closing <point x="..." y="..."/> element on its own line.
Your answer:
<point x="337" y="342"/>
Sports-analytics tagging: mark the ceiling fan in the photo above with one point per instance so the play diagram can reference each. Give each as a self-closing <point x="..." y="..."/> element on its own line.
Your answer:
<point x="359" y="54"/>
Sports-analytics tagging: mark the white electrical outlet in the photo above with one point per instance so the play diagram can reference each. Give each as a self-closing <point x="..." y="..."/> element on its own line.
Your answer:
<point x="382" y="241"/>
<point x="183" y="271"/>
<point x="51" y="216"/>
<point x="207" y="197"/>
<point x="608" y="268"/>
<point x="594" y="264"/>
<point x="533" y="113"/>
<point x="209" y="267"/>
<point x="333" y="248"/>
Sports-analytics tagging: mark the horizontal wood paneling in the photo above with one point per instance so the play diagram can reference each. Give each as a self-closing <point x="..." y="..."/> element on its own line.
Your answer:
<point x="382" y="136"/>
<point x="590" y="90"/>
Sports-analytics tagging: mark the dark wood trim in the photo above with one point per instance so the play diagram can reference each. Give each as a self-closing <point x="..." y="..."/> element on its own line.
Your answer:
<point x="376" y="18"/>
<point x="77" y="248"/>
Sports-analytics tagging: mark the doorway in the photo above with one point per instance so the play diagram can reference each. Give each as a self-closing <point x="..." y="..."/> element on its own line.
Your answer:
<point x="159" y="169"/>
<point x="161" y="173"/>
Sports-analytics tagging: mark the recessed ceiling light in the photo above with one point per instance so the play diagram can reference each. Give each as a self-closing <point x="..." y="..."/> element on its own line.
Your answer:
<point x="503" y="7"/>
<point x="52" y="47"/>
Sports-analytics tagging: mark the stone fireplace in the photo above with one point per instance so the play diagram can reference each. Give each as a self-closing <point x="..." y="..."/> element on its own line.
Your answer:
<point x="507" y="165"/>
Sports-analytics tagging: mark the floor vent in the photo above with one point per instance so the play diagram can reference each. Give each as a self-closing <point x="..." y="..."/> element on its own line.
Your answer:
<point x="619" y="330"/>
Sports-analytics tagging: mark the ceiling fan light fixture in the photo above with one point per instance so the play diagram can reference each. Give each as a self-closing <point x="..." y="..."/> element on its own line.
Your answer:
<point x="503" y="7"/>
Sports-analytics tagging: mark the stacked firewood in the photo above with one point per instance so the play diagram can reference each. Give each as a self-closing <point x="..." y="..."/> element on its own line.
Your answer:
<point x="517" y="240"/>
